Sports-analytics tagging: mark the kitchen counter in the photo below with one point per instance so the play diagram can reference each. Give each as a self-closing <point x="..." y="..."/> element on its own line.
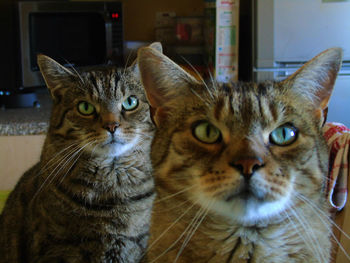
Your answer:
<point x="27" y="121"/>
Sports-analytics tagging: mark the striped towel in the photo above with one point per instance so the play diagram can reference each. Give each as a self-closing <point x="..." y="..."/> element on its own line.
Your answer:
<point x="338" y="140"/>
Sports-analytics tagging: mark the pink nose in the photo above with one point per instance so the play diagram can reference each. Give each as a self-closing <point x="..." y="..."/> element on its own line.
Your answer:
<point x="248" y="165"/>
<point x="111" y="126"/>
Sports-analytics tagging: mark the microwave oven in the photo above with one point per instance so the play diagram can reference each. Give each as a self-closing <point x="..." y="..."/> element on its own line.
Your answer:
<point x="75" y="33"/>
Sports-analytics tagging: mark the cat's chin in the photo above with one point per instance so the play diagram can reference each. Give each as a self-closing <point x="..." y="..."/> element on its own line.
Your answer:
<point x="248" y="209"/>
<point x="253" y="210"/>
<point x="115" y="148"/>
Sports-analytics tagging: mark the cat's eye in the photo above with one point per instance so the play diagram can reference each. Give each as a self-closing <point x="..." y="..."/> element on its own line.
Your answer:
<point x="206" y="132"/>
<point x="284" y="135"/>
<point x="130" y="103"/>
<point x="86" y="108"/>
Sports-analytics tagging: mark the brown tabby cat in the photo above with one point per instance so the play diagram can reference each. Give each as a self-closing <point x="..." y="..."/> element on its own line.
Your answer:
<point x="89" y="199"/>
<point x="240" y="169"/>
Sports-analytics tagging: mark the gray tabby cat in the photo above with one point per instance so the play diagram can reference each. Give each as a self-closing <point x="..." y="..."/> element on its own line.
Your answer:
<point x="90" y="197"/>
<point x="240" y="169"/>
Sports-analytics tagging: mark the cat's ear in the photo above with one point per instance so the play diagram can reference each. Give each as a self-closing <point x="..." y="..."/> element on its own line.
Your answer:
<point x="315" y="80"/>
<point x="53" y="72"/>
<point x="155" y="45"/>
<point x="164" y="81"/>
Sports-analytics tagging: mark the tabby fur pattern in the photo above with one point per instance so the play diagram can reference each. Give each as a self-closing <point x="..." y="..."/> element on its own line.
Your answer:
<point x="89" y="199"/>
<point x="240" y="169"/>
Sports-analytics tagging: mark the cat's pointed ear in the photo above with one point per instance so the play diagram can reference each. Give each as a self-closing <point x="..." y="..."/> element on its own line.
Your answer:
<point x="163" y="80"/>
<point x="53" y="72"/>
<point x="315" y="80"/>
<point x="155" y="45"/>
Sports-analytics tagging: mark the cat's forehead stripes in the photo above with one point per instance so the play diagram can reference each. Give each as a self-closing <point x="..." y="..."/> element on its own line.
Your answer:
<point x="103" y="84"/>
<point x="246" y="104"/>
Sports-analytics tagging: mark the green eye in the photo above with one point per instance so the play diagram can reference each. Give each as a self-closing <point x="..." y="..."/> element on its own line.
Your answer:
<point x="284" y="135"/>
<point x="86" y="108"/>
<point x="130" y="103"/>
<point x="206" y="132"/>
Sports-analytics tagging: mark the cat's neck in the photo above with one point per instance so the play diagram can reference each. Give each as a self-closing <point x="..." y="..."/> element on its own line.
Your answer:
<point x="221" y="235"/>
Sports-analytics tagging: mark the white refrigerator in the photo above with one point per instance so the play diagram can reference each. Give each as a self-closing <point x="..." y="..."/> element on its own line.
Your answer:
<point x="287" y="33"/>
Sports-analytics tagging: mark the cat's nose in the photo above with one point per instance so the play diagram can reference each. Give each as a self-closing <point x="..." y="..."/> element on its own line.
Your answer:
<point x="247" y="165"/>
<point x="111" y="126"/>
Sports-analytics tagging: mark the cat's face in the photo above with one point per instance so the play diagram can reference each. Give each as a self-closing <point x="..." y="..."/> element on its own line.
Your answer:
<point x="244" y="151"/>
<point x="106" y="112"/>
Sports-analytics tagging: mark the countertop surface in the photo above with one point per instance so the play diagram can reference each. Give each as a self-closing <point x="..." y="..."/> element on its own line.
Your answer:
<point x="27" y="121"/>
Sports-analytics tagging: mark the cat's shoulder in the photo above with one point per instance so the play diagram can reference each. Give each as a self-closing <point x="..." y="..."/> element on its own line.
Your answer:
<point x="26" y="185"/>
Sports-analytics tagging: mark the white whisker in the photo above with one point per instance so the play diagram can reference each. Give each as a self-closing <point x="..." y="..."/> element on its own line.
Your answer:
<point x="166" y="230"/>
<point x="127" y="61"/>
<point x="60" y="161"/>
<point x="308" y="202"/>
<point x="196" y="94"/>
<point x="306" y="242"/>
<point x="172" y="195"/>
<point x="172" y="207"/>
<point x="54" y="157"/>
<point x="199" y="76"/>
<point x="65" y="159"/>
<point x="212" y="79"/>
<point x="311" y="236"/>
<point x="196" y="222"/>
<point x="80" y="152"/>
<point x="75" y="71"/>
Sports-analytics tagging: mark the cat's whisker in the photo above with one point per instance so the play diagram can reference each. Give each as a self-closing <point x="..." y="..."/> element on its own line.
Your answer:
<point x="175" y="194"/>
<point x="51" y="176"/>
<point x="48" y="164"/>
<point x="166" y="231"/>
<point x="199" y="76"/>
<point x="198" y="96"/>
<point x="74" y="162"/>
<point x="188" y="230"/>
<point x="127" y="61"/>
<point x="320" y="214"/>
<point x="177" y="240"/>
<point x="169" y="208"/>
<point x="309" y="234"/>
<point x="64" y="165"/>
<point x="75" y="71"/>
<point x="213" y="82"/>
<point x="62" y="159"/>
<point x="306" y="242"/>
<point x="195" y="224"/>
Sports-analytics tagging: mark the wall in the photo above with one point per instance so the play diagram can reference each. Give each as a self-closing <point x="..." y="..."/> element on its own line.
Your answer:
<point x="17" y="154"/>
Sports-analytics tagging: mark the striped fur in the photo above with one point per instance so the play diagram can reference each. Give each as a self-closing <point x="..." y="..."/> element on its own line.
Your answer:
<point x="89" y="198"/>
<point x="243" y="197"/>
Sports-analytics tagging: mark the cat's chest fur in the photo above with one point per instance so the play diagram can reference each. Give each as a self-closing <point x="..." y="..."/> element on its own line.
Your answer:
<point x="218" y="240"/>
<point x="275" y="242"/>
<point x="94" y="209"/>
